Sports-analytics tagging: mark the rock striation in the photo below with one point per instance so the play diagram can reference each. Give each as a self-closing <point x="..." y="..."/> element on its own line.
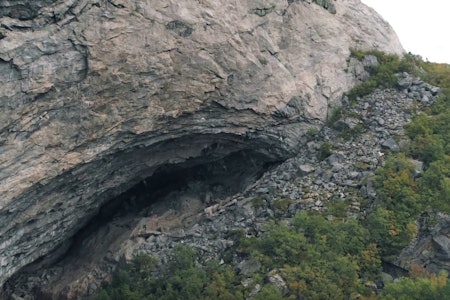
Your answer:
<point x="97" y="96"/>
<point x="208" y="219"/>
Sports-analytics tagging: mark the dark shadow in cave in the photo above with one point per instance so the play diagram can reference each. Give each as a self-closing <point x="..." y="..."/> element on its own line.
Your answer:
<point x="211" y="181"/>
<point x="218" y="179"/>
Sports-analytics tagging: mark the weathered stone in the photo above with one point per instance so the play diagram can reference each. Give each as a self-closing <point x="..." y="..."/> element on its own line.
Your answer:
<point x="255" y="290"/>
<point x="405" y="81"/>
<point x="23" y="9"/>
<point x="305" y="169"/>
<point x="443" y="245"/>
<point x="275" y="278"/>
<point x="425" y="99"/>
<point x="435" y="90"/>
<point x="356" y="68"/>
<point x="391" y="144"/>
<point x="96" y="96"/>
<point x="370" y="61"/>
<point x="248" y="267"/>
<point x="432" y="247"/>
<point x="346" y="123"/>
<point x="335" y="158"/>
<point x="353" y="174"/>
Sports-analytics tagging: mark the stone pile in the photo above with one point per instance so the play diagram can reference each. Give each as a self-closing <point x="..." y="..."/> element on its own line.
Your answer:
<point x="307" y="183"/>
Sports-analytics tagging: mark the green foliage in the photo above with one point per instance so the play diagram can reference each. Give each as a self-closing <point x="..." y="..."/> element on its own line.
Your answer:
<point x="319" y="259"/>
<point x="325" y="150"/>
<point x="435" y="185"/>
<point x="384" y="74"/>
<point x="397" y="186"/>
<point x="258" y="202"/>
<point x="390" y="232"/>
<point x="401" y="196"/>
<point x="335" y="116"/>
<point x="358" y="54"/>
<point x="312" y="133"/>
<point x="362" y="89"/>
<point x="181" y="279"/>
<point x="430" y="136"/>
<point x="130" y="282"/>
<point x="348" y="134"/>
<point x="436" y="74"/>
<point x="391" y="223"/>
<point x="269" y="292"/>
<point x="434" y="287"/>
<point x="337" y="208"/>
<point x="281" y="205"/>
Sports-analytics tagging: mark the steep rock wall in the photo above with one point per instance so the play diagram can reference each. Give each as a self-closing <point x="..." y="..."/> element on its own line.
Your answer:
<point x="96" y="95"/>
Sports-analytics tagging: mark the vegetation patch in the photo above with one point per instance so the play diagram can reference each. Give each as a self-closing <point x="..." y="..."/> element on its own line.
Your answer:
<point x="382" y="75"/>
<point x="325" y="150"/>
<point x="349" y="133"/>
<point x="403" y="196"/>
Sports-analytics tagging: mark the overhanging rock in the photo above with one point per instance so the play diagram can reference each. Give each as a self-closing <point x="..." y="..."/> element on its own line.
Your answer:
<point x="97" y="95"/>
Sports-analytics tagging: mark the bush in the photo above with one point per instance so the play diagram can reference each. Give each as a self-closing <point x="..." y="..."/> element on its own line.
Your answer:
<point x="325" y="150"/>
<point x="180" y="279"/>
<point x="434" y="287"/>
<point x="384" y="74"/>
<point x="401" y="196"/>
<point x="319" y="259"/>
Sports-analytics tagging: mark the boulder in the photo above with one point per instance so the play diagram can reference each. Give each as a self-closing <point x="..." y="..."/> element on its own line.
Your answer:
<point x="404" y="81"/>
<point x="275" y="278"/>
<point x="305" y="169"/>
<point x="391" y="144"/>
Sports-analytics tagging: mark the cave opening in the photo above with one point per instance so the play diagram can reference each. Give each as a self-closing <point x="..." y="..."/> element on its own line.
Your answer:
<point x="171" y="186"/>
<point x="184" y="189"/>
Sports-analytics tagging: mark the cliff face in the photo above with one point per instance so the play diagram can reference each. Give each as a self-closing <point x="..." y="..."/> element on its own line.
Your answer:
<point x="98" y="95"/>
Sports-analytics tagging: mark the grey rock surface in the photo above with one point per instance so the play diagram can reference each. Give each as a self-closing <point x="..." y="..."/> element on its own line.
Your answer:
<point x="431" y="248"/>
<point x="98" y="95"/>
<point x="391" y="144"/>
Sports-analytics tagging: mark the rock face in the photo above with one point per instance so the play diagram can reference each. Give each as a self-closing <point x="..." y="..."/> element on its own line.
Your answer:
<point x="431" y="249"/>
<point x="97" y="95"/>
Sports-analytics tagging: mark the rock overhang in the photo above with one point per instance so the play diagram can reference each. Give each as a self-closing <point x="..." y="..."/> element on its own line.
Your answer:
<point x="50" y="213"/>
<point x="96" y="90"/>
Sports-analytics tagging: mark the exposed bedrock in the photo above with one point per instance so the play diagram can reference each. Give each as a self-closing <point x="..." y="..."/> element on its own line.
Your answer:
<point x="98" y="95"/>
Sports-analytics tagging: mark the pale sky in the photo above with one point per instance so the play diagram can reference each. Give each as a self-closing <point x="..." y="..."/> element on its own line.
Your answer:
<point x="422" y="26"/>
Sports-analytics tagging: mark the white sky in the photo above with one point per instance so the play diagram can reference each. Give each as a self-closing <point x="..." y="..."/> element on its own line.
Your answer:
<point x="422" y="26"/>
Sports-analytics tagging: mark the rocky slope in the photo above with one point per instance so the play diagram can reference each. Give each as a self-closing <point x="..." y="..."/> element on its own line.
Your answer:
<point x="99" y="95"/>
<point x="198" y="214"/>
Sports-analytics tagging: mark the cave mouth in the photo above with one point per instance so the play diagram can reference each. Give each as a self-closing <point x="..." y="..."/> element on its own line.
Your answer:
<point x="209" y="182"/>
<point x="185" y="189"/>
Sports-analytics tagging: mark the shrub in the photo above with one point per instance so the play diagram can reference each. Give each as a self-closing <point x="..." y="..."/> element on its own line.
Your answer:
<point x="434" y="287"/>
<point x="325" y="150"/>
<point x="384" y="74"/>
<point x="180" y="279"/>
<point x="335" y="116"/>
